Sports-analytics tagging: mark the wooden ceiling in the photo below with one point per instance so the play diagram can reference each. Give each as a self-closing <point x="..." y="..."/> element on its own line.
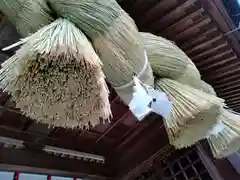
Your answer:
<point x="199" y="27"/>
<point x="202" y="29"/>
<point x="125" y="142"/>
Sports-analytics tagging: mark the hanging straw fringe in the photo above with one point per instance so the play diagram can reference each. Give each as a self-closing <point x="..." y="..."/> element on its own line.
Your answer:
<point x="56" y="78"/>
<point x="202" y="121"/>
<point x="27" y="15"/>
<point x="201" y="125"/>
<point x="224" y="139"/>
<point x="114" y="36"/>
<point x="191" y="109"/>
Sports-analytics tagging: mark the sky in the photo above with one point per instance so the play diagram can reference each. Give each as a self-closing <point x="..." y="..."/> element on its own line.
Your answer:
<point x="238" y="2"/>
<point x="9" y="176"/>
<point x="6" y="176"/>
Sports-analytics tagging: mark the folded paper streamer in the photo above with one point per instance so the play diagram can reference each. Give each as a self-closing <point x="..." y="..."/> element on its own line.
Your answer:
<point x="139" y="104"/>
<point x="161" y="103"/>
<point x="145" y="76"/>
<point x="217" y="129"/>
<point x="146" y="100"/>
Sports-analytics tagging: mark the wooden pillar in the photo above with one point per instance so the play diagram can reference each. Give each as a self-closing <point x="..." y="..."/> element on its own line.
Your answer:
<point x="16" y="176"/>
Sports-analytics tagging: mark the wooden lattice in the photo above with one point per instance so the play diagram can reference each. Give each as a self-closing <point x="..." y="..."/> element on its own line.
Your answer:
<point x="185" y="166"/>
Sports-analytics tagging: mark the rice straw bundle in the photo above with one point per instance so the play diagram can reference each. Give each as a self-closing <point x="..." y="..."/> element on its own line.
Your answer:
<point x="166" y="59"/>
<point x="191" y="76"/>
<point x="201" y="119"/>
<point x="56" y="78"/>
<point x="27" y="15"/>
<point x="114" y="36"/>
<point x="224" y="139"/>
<point x="207" y="88"/>
<point x="194" y="112"/>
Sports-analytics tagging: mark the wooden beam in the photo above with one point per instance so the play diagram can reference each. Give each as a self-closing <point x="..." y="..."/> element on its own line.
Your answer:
<point x="133" y="133"/>
<point x="200" y="38"/>
<point x="141" y="150"/>
<point x="40" y="140"/>
<point x="234" y="105"/>
<point x="194" y="29"/>
<point x="173" y="16"/>
<point x="229" y="83"/>
<point x="218" y="13"/>
<point x="145" y="165"/>
<point x="206" y="160"/>
<point x="212" y="59"/>
<point x="140" y="7"/>
<point x="225" y="80"/>
<point x="204" y="44"/>
<point x="112" y="126"/>
<point x="155" y="12"/>
<point x="224" y="71"/>
<point x="179" y="23"/>
<point x="218" y="63"/>
<point x="230" y="93"/>
<point x="231" y="97"/>
<point x="210" y="51"/>
<point x="227" y="88"/>
<point x="232" y="100"/>
<point x="42" y="163"/>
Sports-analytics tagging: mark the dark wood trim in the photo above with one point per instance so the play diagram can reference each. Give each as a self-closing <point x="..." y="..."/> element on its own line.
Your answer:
<point x="39" y="162"/>
<point x="145" y="165"/>
<point x="218" y="13"/>
<point x="38" y="139"/>
<point x="16" y="176"/>
<point x="208" y="163"/>
<point x="226" y="169"/>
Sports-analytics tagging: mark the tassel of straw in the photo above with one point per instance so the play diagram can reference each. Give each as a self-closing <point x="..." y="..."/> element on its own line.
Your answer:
<point x="114" y="36"/>
<point x="27" y="15"/>
<point x="225" y="141"/>
<point x="166" y="59"/>
<point x="56" y="78"/>
<point x="194" y="112"/>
